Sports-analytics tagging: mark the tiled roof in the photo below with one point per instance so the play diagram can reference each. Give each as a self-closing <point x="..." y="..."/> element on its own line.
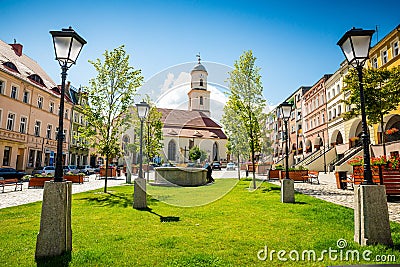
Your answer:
<point x="186" y="123"/>
<point x="25" y="65"/>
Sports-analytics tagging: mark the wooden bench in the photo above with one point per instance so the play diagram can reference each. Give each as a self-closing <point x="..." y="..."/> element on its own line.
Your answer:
<point x="10" y="182"/>
<point x="312" y="176"/>
<point x="297" y="176"/>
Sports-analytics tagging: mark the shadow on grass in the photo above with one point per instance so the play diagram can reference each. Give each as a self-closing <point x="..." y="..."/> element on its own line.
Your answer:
<point x="110" y="199"/>
<point x="62" y="260"/>
<point x="162" y="218"/>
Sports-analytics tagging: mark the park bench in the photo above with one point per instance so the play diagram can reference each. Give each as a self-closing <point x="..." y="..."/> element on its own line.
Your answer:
<point x="10" y="182"/>
<point x="312" y="176"/>
<point x="297" y="175"/>
<point x="38" y="181"/>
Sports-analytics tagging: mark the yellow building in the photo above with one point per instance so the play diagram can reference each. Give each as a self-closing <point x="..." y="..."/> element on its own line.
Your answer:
<point x="29" y="104"/>
<point x="386" y="54"/>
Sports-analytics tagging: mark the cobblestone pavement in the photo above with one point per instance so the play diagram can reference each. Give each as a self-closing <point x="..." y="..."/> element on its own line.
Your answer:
<point x="12" y="198"/>
<point x="328" y="191"/>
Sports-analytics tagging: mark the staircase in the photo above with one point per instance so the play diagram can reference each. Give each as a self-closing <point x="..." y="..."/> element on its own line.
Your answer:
<point x="314" y="156"/>
<point x="347" y="155"/>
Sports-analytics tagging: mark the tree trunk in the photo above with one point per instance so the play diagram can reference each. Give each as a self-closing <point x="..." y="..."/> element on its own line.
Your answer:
<point x="383" y="136"/>
<point x="238" y="165"/>
<point x="105" y="180"/>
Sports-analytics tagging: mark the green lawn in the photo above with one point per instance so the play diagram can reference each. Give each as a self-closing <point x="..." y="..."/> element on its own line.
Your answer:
<point x="229" y="231"/>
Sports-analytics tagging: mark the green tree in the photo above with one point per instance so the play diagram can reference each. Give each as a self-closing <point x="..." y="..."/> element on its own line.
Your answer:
<point x="110" y="97"/>
<point x="381" y="93"/>
<point x="245" y="99"/>
<point x="194" y="153"/>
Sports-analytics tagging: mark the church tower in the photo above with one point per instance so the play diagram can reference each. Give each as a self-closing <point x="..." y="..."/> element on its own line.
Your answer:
<point x="199" y="97"/>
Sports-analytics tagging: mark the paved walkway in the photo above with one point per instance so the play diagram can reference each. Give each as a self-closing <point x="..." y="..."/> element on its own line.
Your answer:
<point x="326" y="190"/>
<point x="12" y="198"/>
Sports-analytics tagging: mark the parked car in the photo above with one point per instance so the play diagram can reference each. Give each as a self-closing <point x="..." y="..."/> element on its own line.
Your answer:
<point x="230" y="166"/>
<point x="216" y="166"/>
<point x="10" y="173"/>
<point x="86" y="169"/>
<point x="46" y="170"/>
<point x="70" y="169"/>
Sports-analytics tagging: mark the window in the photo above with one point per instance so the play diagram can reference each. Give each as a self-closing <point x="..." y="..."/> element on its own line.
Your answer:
<point x="316" y="102"/>
<point x="323" y="117"/>
<point x="82" y="119"/>
<point x="317" y="121"/>
<point x="339" y="110"/>
<point x="14" y="92"/>
<point x="6" y="156"/>
<point x="338" y="89"/>
<point x="40" y="102"/>
<point x="2" y="87"/>
<point x="22" y="125"/>
<point x="330" y="115"/>
<point x="375" y="63"/>
<point x="25" y="99"/>
<point x="49" y="130"/>
<point x="329" y="96"/>
<point x="37" y="128"/>
<point x="11" y="66"/>
<point x="36" y="79"/>
<point x="65" y="136"/>
<point x="384" y="57"/>
<point x="201" y="100"/>
<point x="66" y="113"/>
<point x="51" y="107"/>
<point x="395" y="48"/>
<point x="172" y="150"/>
<point x="201" y="82"/>
<point x="10" y="121"/>
<point x="75" y="117"/>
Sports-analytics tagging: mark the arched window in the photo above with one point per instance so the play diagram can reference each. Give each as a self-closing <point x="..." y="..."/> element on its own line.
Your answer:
<point x="201" y="82"/>
<point x="36" y="79"/>
<point x="201" y="100"/>
<point x="215" y="151"/>
<point x="172" y="150"/>
<point x="11" y="66"/>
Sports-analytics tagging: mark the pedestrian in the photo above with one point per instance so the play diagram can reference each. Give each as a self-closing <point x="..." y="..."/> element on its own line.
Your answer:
<point x="209" y="172"/>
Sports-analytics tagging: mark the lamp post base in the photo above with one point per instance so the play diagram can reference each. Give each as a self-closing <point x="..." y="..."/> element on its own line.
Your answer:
<point x="287" y="191"/>
<point x="371" y="216"/>
<point x="139" y="194"/>
<point x="55" y="235"/>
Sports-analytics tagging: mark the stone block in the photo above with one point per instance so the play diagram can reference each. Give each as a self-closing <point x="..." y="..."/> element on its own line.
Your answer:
<point x="139" y="194"/>
<point x="371" y="216"/>
<point x="287" y="191"/>
<point x="55" y="235"/>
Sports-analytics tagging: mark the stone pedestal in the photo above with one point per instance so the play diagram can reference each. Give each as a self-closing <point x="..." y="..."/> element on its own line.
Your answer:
<point x="139" y="194"/>
<point x="128" y="176"/>
<point x="371" y="216"/>
<point x="55" y="235"/>
<point x="287" y="191"/>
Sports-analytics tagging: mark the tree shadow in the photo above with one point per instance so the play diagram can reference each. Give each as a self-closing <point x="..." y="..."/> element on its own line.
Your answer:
<point x="61" y="260"/>
<point x="162" y="218"/>
<point x="110" y="199"/>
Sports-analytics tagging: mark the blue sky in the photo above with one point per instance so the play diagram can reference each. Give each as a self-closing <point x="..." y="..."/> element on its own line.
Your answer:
<point x="294" y="41"/>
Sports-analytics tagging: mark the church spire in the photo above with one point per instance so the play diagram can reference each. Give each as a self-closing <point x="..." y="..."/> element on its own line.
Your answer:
<point x="198" y="57"/>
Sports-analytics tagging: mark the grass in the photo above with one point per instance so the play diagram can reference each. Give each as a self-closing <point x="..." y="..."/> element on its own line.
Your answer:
<point x="229" y="231"/>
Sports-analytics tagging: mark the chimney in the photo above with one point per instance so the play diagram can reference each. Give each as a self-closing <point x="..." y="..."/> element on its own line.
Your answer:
<point x="17" y="48"/>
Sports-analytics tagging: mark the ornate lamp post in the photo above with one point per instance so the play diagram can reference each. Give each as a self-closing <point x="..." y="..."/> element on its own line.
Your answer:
<point x="287" y="189"/>
<point x="55" y="235"/>
<point x="355" y="45"/>
<point x="139" y="196"/>
<point x="67" y="45"/>
<point x="371" y="217"/>
<point x="285" y="110"/>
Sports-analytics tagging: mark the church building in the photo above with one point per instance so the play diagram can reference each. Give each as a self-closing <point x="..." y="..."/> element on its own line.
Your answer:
<point x="184" y="129"/>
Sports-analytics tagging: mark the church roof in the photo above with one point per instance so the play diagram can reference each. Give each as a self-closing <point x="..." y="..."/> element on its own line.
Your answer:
<point x="199" y="67"/>
<point x="186" y="123"/>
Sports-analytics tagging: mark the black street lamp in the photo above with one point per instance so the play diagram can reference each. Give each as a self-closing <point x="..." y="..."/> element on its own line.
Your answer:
<point x="285" y="110"/>
<point x="355" y="45"/>
<point x="67" y="46"/>
<point x="139" y="201"/>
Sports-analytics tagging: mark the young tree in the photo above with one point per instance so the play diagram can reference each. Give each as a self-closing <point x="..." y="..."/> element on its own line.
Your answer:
<point x="246" y="100"/>
<point x="110" y="97"/>
<point x="381" y="93"/>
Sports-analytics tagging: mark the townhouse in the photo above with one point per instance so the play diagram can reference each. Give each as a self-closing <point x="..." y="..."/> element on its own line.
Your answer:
<point x="29" y="108"/>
